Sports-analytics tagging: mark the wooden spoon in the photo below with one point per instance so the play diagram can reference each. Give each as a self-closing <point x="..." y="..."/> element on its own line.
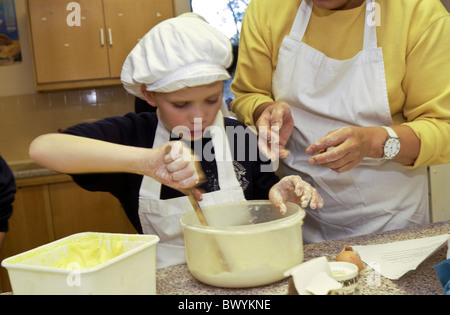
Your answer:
<point x="201" y="217"/>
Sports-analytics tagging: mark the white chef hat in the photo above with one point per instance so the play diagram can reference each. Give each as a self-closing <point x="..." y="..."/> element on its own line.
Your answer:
<point x="180" y="52"/>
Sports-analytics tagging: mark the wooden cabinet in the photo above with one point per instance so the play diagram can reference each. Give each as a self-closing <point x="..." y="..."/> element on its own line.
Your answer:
<point x="126" y="22"/>
<point x="439" y="179"/>
<point x="75" y="210"/>
<point x="86" y="45"/>
<point x="52" y="207"/>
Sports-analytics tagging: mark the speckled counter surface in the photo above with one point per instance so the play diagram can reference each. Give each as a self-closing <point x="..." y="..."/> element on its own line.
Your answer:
<point x="38" y="172"/>
<point x="423" y="281"/>
<point x="29" y="169"/>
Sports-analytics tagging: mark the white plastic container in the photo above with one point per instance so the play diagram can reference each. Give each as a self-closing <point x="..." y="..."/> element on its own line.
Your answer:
<point x="98" y="263"/>
<point x="246" y="244"/>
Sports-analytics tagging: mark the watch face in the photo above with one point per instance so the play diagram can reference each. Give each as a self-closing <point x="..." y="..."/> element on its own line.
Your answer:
<point x="391" y="148"/>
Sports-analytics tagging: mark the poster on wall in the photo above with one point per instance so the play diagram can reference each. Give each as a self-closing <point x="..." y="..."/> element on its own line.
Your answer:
<point x="10" y="52"/>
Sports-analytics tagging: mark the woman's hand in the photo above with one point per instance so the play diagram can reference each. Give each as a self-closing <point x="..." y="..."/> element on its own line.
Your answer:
<point x="294" y="189"/>
<point x="174" y="165"/>
<point x="274" y="123"/>
<point x="343" y="149"/>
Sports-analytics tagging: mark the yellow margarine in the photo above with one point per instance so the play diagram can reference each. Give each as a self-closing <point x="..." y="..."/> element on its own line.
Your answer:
<point x="89" y="253"/>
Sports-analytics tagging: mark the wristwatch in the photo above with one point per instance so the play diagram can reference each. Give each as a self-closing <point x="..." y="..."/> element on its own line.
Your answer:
<point x="392" y="145"/>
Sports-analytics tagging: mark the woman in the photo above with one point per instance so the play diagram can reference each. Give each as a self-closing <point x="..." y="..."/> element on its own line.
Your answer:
<point x="360" y="91"/>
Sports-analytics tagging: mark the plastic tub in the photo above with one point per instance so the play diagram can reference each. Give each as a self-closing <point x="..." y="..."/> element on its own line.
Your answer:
<point x="245" y="244"/>
<point x="87" y="263"/>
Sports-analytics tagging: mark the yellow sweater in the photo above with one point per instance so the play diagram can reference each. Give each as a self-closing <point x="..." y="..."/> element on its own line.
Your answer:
<point x="414" y="36"/>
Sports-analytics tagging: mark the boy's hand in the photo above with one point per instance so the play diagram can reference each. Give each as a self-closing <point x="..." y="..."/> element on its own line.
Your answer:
<point x="175" y="165"/>
<point x="294" y="189"/>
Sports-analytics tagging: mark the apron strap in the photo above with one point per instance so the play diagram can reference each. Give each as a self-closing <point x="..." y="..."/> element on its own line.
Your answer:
<point x="224" y="158"/>
<point x="301" y="20"/>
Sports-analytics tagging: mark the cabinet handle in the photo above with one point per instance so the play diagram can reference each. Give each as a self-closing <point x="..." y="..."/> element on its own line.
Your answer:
<point x="102" y="37"/>
<point x="110" y="37"/>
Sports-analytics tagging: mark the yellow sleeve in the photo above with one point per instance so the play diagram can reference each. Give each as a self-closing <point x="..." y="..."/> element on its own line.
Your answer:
<point x="252" y="85"/>
<point x="427" y="87"/>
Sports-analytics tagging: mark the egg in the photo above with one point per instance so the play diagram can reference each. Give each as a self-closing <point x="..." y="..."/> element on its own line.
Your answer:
<point x="350" y="256"/>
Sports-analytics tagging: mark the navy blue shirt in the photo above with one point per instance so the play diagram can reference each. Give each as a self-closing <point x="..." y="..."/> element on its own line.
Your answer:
<point x="139" y="130"/>
<point x="7" y="193"/>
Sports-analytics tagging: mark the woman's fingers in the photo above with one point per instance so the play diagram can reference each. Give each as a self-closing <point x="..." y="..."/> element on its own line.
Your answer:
<point x="275" y="127"/>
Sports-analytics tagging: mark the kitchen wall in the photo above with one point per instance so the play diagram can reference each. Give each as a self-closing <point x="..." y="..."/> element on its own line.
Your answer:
<point x="24" y="117"/>
<point x="25" y="114"/>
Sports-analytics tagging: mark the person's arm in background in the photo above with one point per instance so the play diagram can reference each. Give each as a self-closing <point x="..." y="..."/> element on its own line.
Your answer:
<point x="262" y="34"/>
<point x="7" y="194"/>
<point x="252" y="84"/>
<point x="427" y="86"/>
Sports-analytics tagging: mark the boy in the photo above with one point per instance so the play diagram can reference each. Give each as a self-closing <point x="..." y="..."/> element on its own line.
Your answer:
<point x="179" y="68"/>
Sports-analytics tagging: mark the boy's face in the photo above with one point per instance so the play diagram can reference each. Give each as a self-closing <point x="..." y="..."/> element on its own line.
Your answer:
<point x="188" y="107"/>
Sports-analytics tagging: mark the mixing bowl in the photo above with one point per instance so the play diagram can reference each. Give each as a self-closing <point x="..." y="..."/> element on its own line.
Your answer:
<point x="245" y="244"/>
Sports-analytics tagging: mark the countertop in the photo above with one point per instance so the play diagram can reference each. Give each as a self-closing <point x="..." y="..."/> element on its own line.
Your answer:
<point x="29" y="169"/>
<point x="423" y="281"/>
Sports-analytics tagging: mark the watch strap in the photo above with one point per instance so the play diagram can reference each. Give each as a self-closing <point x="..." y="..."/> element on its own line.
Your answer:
<point x="391" y="132"/>
<point x="392" y="137"/>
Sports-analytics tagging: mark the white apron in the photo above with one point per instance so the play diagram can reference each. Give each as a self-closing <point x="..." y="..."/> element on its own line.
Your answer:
<point x="326" y="94"/>
<point x="161" y="217"/>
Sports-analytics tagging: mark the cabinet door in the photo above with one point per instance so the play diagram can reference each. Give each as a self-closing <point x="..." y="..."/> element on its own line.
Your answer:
<point x="76" y="210"/>
<point x="29" y="227"/>
<point x="63" y="52"/>
<point x="127" y="22"/>
<point x="440" y="192"/>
